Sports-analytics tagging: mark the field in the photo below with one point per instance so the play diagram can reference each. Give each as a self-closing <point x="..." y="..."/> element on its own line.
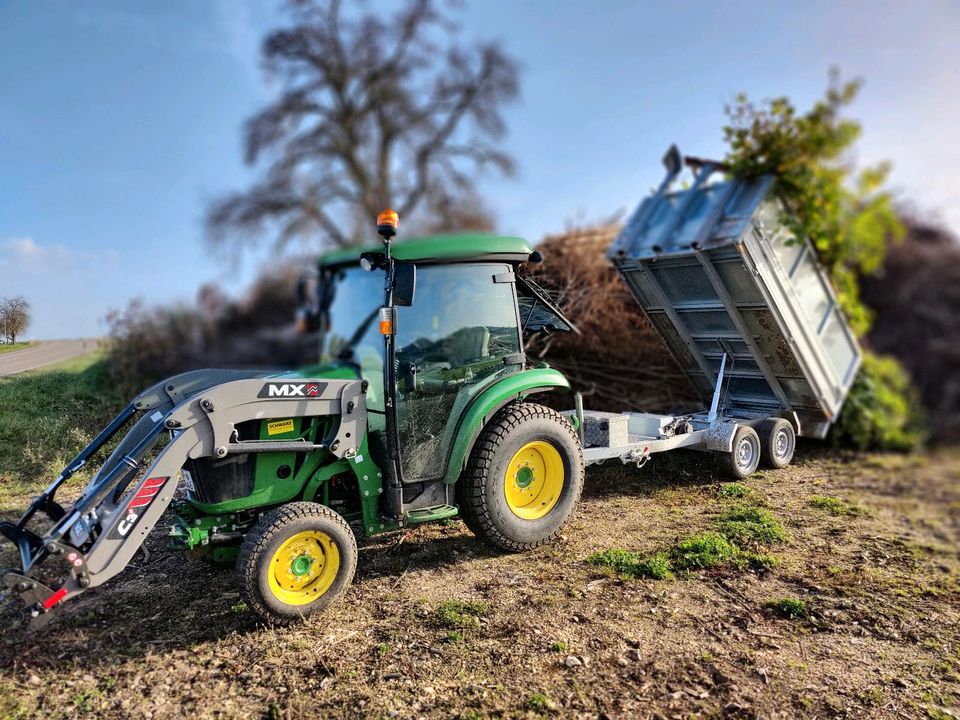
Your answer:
<point x="829" y="589"/>
<point x="11" y="347"/>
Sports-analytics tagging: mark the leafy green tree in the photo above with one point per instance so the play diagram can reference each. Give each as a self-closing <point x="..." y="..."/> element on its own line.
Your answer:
<point x="846" y="213"/>
<point x="850" y="218"/>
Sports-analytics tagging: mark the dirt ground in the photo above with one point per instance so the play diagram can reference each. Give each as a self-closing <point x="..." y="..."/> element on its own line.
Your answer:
<point x="437" y="626"/>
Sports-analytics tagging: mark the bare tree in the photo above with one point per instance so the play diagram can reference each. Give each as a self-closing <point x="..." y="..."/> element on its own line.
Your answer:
<point x="14" y="317"/>
<point x="373" y="112"/>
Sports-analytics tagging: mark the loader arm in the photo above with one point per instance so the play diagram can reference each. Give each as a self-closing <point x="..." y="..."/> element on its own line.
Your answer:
<point x="198" y="412"/>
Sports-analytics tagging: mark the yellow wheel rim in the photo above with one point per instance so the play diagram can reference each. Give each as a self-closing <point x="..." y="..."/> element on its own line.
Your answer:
<point x="534" y="480"/>
<point x="304" y="567"/>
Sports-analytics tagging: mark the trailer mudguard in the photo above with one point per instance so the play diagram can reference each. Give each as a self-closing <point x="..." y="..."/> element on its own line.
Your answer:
<point x="97" y="537"/>
<point x="479" y="412"/>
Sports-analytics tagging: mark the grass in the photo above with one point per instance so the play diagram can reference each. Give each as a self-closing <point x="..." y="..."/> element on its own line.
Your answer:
<point x="699" y="552"/>
<point x="630" y="565"/>
<point x="739" y="532"/>
<point x="758" y="562"/>
<point x="836" y="506"/>
<point x="732" y="491"/>
<point x="538" y="702"/>
<point x="46" y="417"/>
<point x="751" y="525"/>
<point x="454" y="637"/>
<point x="789" y="608"/>
<point x="460" y="614"/>
<point x="8" y="348"/>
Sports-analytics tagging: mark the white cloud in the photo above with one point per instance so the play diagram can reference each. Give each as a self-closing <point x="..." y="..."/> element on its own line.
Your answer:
<point x="68" y="288"/>
<point x="25" y="253"/>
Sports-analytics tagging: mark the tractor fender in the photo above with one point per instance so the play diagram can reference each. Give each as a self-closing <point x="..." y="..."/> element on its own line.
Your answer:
<point x="487" y="403"/>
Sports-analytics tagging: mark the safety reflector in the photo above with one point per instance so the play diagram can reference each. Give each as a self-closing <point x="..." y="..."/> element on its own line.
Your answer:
<point x="55" y="598"/>
<point x="146" y="493"/>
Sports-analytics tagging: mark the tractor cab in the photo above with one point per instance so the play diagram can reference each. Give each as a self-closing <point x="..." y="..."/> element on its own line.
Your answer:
<point x="455" y="329"/>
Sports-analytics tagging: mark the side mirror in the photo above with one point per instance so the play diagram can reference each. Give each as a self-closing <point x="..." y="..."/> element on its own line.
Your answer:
<point x="404" y="284"/>
<point x="307" y="314"/>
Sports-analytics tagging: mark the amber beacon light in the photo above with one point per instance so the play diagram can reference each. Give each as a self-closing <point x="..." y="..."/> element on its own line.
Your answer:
<point x="387" y="223"/>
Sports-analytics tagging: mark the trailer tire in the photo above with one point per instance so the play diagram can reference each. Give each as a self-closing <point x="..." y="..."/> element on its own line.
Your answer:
<point x="744" y="457"/>
<point x="524" y="478"/>
<point x="777" y="443"/>
<point x="295" y="561"/>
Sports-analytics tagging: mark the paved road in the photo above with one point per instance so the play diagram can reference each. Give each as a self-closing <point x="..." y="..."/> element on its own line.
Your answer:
<point x="44" y="353"/>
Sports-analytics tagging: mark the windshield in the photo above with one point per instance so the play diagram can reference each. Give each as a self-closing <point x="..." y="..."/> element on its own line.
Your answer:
<point x="353" y="298"/>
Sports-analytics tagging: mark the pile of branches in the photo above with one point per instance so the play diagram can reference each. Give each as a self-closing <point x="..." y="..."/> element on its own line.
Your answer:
<point x="148" y="344"/>
<point x="916" y="301"/>
<point x="618" y="361"/>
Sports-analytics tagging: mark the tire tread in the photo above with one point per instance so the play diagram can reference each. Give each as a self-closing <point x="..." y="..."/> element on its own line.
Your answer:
<point x="471" y="486"/>
<point x="262" y="533"/>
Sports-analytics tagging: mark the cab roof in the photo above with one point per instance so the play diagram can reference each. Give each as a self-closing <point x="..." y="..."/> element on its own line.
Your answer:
<point x="457" y="247"/>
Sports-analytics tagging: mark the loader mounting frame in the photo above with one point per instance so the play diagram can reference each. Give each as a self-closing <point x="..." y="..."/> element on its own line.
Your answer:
<point x="198" y="411"/>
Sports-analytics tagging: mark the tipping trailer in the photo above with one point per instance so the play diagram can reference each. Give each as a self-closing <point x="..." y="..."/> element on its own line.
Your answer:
<point x="746" y="312"/>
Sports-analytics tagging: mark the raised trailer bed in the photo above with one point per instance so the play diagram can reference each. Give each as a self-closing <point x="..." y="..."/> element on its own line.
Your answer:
<point x="744" y="308"/>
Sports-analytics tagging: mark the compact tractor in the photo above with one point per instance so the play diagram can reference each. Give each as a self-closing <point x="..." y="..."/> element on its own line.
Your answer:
<point x="420" y="410"/>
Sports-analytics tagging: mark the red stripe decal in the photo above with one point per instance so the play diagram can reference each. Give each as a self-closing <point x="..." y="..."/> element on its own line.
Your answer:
<point x="155" y="482"/>
<point x="139" y="502"/>
<point x="55" y="598"/>
<point x="147" y="492"/>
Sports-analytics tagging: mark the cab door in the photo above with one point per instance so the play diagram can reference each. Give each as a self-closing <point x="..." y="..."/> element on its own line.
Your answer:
<point x="460" y="335"/>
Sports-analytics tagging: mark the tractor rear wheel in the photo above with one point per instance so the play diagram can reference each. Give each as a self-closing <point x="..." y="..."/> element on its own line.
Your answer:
<point x="295" y="561"/>
<point x="523" y="479"/>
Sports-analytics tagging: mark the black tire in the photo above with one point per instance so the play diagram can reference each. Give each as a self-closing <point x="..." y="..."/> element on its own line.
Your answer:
<point x="261" y="545"/>
<point x="742" y="461"/>
<point x="482" y="489"/>
<point x="778" y="441"/>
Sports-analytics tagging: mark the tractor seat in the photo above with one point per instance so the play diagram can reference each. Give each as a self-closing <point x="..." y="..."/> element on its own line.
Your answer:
<point x="467" y="344"/>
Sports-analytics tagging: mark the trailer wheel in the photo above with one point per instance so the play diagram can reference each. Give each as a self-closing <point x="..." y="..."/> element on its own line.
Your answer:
<point x="777" y="443"/>
<point x="523" y="479"/>
<point x="295" y="561"/>
<point x="743" y="460"/>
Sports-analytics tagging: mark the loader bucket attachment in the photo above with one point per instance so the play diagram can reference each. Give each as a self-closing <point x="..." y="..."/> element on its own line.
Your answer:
<point x="188" y="416"/>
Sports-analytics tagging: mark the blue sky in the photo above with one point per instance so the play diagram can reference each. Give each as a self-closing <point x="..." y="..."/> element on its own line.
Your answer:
<point x="120" y="120"/>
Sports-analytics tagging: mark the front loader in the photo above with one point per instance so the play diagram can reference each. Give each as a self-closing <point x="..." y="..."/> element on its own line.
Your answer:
<point x="417" y="412"/>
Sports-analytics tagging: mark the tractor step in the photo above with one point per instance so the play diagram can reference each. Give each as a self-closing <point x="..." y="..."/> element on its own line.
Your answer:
<point x="431" y="514"/>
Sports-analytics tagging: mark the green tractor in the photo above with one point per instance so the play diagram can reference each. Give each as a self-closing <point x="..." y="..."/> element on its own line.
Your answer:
<point x="417" y="412"/>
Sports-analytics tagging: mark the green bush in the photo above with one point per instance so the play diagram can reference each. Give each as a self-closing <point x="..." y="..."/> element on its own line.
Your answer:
<point x="882" y="411"/>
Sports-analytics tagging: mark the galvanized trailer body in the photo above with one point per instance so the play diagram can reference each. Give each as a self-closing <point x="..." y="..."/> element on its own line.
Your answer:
<point x="743" y="307"/>
<point x="716" y="270"/>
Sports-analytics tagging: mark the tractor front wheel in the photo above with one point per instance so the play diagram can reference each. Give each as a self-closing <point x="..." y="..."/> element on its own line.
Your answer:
<point x="524" y="478"/>
<point x="295" y="561"/>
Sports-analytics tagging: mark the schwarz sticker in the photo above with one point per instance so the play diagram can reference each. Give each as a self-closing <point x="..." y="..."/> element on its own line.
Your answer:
<point x="278" y="427"/>
<point x="293" y="391"/>
<point x="137" y="506"/>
